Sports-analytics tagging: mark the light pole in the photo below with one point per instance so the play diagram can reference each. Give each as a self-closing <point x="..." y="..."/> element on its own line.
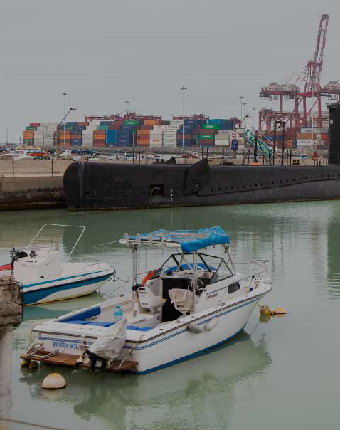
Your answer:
<point x="254" y="118"/>
<point x="58" y="131"/>
<point x="183" y="89"/>
<point x="244" y="113"/>
<point x="241" y="99"/>
<point x="127" y="102"/>
<point x="65" y="95"/>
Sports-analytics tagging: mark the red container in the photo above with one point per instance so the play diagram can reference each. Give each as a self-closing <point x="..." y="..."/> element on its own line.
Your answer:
<point x="179" y="136"/>
<point x="114" y="126"/>
<point x="34" y="124"/>
<point x="146" y="127"/>
<point x="206" y="142"/>
<point x="99" y="143"/>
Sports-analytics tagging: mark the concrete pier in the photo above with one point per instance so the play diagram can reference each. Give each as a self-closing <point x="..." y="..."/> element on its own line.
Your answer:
<point x="31" y="192"/>
<point x="10" y="316"/>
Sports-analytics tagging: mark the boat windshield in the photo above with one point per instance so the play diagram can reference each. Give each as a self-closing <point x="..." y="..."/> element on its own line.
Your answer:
<point x="217" y="267"/>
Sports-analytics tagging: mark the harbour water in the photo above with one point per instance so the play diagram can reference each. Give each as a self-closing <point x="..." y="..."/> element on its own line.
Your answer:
<point x="277" y="374"/>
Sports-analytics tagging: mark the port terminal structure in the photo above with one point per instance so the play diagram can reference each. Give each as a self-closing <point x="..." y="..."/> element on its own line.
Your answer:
<point x="303" y="88"/>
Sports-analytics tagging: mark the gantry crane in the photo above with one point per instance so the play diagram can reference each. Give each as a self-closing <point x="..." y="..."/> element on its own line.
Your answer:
<point x="309" y="80"/>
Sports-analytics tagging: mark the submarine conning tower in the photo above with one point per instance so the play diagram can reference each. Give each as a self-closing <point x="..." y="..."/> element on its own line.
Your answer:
<point x="334" y="133"/>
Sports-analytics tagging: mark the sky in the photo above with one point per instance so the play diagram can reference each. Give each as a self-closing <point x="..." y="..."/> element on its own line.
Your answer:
<point x="104" y="52"/>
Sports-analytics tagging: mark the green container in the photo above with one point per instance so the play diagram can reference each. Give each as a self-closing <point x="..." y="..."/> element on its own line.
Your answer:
<point x="28" y="141"/>
<point x="206" y="136"/>
<point x="211" y="126"/>
<point x="103" y="127"/>
<point x="68" y="127"/>
<point x="31" y="128"/>
<point x="131" y="122"/>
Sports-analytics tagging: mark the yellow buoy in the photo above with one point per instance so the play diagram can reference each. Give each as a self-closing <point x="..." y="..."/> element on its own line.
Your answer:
<point x="264" y="310"/>
<point x="53" y="381"/>
<point x="33" y="365"/>
<point x="25" y="362"/>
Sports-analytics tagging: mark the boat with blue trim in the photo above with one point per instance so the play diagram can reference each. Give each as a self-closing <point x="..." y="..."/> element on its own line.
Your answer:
<point x="191" y="303"/>
<point x="46" y="278"/>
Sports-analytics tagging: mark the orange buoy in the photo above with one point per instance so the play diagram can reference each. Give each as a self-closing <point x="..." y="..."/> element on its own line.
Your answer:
<point x="148" y="276"/>
<point x="279" y="311"/>
<point x="53" y="381"/>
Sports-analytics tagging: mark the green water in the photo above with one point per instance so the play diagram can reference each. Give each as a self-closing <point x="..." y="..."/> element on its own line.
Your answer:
<point x="282" y="374"/>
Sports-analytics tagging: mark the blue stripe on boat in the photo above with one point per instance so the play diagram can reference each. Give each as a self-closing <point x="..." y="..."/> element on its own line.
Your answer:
<point x="34" y="296"/>
<point x="59" y="279"/>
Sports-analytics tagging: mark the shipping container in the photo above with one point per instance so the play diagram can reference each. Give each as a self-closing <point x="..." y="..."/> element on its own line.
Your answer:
<point x="206" y="136"/>
<point x="111" y="137"/>
<point x="131" y="122"/>
<point x="206" y="142"/>
<point x="210" y="126"/>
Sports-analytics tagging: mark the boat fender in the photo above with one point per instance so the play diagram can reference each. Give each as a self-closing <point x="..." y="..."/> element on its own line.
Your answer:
<point x="194" y="328"/>
<point x="148" y="276"/>
<point x="210" y="324"/>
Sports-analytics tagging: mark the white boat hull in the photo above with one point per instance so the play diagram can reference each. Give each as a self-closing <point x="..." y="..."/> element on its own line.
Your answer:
<point x="183" y="344"/>
<point x="56" y="290"/>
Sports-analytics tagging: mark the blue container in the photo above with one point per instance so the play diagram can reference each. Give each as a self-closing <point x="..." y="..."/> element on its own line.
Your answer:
<point x="228" y="125"/>
<point x="187" y="142"/>
<point x="111" y="137"/>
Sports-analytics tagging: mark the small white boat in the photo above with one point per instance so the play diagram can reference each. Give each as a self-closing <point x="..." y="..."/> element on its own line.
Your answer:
<point x="190" y="304"/>
<point x="46" y="278"/>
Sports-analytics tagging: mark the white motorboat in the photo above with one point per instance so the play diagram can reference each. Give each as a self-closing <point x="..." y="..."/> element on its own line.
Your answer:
<point x="190" y="304"/>
<point x="46" y="278"/>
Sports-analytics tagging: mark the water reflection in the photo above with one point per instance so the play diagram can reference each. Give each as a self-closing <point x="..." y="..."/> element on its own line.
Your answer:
<point x="188" y="395"/>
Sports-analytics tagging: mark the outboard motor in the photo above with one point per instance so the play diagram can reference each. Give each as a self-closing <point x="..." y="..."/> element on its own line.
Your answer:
<point x="334" y="133"/>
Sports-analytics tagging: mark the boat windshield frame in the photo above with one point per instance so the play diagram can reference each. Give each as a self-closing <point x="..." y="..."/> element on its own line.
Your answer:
<point x="227" y="262"/>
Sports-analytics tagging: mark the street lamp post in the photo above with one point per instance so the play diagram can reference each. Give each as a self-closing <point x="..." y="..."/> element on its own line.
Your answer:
<point x="244" y="113"/>
<point x="127" y="102"/>
<point x="65" y="95"/>
<point x="58" y="131"/>
<point x="241" y="99"/>
<point x="183" y="89"/>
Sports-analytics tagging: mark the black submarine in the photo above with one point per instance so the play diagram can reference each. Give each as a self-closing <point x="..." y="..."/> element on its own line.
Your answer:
<point x="100" y="186"/>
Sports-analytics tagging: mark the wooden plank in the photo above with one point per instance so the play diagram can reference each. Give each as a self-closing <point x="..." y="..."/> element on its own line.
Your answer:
<point x="71" y="361"/>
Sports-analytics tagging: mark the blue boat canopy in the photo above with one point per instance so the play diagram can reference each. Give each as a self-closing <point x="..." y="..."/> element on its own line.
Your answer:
<point x="188" y="240"/>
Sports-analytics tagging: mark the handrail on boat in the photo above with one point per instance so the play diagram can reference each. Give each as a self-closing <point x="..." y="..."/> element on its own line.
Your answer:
<point x="82" y="227"/>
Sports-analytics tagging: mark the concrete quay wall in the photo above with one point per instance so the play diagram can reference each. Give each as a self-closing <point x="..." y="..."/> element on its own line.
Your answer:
<point x="31" y="192"/>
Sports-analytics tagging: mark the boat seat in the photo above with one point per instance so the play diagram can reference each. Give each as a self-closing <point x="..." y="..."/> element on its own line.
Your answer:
<point x="81" y="316"/>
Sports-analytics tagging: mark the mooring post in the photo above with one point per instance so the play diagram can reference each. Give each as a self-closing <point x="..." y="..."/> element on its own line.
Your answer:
<point x="10" y="316"/>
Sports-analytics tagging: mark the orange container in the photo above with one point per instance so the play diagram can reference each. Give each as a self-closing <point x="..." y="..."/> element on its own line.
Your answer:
<point x="28" y="134"/>
<point x="150" y="122"/>
<point x="99" y="134"/>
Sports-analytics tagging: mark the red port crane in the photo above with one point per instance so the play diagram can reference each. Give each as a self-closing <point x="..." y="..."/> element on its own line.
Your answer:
<point x="309" y="80"/>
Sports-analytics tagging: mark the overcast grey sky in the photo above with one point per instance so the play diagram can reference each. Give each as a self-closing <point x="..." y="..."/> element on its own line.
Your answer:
<point x="103" y="52"/>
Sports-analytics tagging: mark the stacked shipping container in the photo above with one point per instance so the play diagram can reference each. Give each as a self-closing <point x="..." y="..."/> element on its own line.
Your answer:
<point x="139" y="131"/>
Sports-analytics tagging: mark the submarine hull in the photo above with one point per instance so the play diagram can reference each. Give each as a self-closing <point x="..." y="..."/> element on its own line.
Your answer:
<point x="98" y="186"/>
